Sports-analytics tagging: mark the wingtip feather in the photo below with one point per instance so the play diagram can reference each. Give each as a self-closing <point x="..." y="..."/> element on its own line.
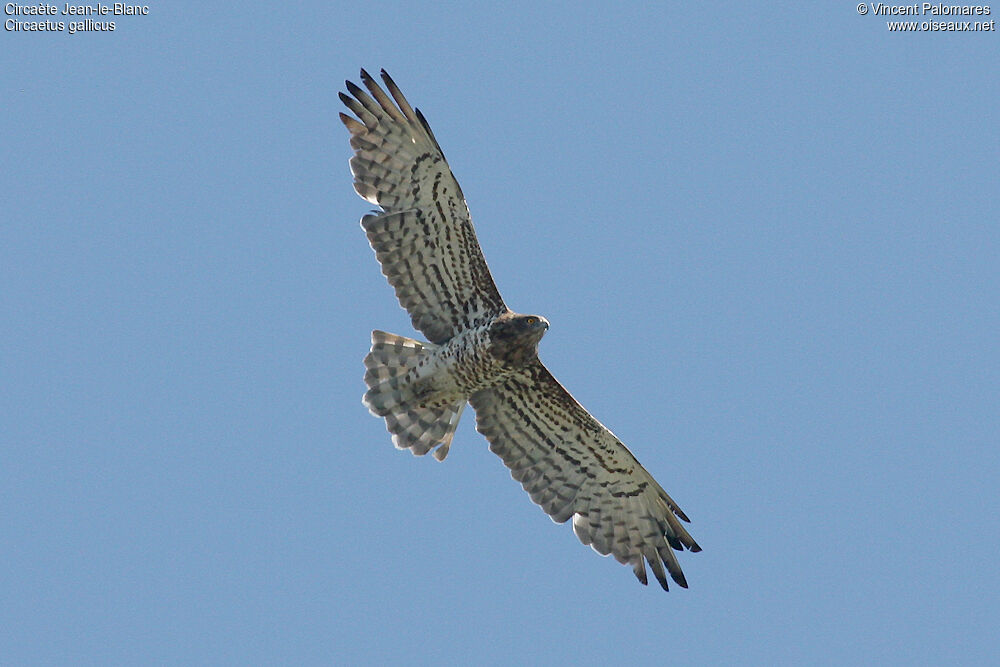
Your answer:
<point x="353" y="88"/>
<point x="352" y="124"/>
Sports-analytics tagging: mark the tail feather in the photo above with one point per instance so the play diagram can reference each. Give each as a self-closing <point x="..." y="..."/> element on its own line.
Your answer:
<point x="417" y="419"/>
<point x="392" y="356"/>
<point x="421" y="429"/>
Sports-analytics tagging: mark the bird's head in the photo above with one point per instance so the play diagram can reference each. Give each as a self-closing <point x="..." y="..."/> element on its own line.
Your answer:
<point x="515" y="337"/>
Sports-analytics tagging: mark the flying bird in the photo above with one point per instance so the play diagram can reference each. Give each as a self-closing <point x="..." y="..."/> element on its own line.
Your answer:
<point x="481" y="353"/>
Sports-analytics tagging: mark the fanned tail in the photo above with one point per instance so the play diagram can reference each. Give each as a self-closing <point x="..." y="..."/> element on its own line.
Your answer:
<point x="417" y="419"/>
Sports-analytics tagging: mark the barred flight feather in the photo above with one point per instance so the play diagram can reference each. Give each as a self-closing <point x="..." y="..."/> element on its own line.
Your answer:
<point x="399" y="167"/>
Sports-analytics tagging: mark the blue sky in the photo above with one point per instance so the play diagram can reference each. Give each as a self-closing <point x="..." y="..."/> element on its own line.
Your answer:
<point x="766" y="239"/>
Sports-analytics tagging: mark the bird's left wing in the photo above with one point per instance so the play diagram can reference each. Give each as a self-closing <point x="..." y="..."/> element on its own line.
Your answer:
<point x="424" y="237"/>
<point x="574" y="467"/>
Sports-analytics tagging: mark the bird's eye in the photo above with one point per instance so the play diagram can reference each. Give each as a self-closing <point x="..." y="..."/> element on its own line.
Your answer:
<point x="531" y="320"/>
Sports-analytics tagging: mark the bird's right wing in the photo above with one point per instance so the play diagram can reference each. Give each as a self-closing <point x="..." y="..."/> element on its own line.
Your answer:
<point x="423" y="237"/>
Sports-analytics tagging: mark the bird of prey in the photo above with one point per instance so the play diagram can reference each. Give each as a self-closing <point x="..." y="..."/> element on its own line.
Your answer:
<point x="479" y="352"/>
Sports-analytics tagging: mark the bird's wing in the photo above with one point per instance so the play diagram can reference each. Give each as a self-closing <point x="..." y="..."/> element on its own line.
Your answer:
<point x="423" y="237"/>
<point x="575" y="468"/>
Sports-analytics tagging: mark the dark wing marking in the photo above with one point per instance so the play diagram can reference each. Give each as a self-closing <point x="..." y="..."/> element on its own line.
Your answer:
<point x="574" y="467"/>
<point x="424" y="237"/>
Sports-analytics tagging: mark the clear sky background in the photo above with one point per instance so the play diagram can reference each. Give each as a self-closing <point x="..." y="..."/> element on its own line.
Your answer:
<point x="766" y="238"/>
